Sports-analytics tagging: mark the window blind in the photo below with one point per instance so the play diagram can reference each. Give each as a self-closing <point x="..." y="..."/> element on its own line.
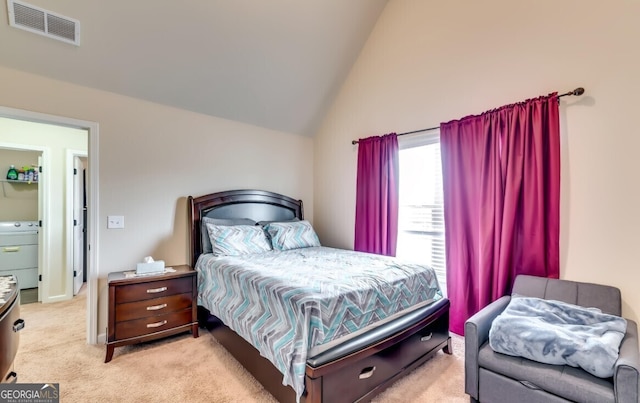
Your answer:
<point x="421" y="224"/>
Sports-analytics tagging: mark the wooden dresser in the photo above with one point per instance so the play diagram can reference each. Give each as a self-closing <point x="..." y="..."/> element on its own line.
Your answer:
<point x="146" y="308"/>
<point x="10" y="325"/>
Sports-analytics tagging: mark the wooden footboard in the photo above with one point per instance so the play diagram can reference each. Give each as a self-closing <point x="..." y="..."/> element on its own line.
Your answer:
<point x="361" y="375"/>
<point x="355" y="377"/>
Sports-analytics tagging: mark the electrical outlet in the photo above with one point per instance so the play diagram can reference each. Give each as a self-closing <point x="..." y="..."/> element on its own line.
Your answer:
<point x="115" y="221"/>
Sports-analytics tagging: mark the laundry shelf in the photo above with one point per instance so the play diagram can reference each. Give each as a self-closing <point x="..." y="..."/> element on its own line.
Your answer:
<point x="17" y="181"/>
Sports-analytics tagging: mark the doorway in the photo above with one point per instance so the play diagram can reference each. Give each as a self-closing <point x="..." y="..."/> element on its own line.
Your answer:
<point x="92" y="220"/>
<point x="54" y="199"/>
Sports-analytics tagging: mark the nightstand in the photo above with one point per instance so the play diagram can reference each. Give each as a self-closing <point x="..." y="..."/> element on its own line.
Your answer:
<point x="145" y="308"/>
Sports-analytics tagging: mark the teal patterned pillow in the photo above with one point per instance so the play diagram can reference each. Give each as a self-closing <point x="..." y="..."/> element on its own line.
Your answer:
<point x="292" y="235"/>
<point x="237" y="240"/>
<point x="206" y="241"/>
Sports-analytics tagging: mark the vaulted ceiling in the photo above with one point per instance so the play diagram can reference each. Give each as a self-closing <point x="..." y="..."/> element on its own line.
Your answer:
<point x="276" y="64"/>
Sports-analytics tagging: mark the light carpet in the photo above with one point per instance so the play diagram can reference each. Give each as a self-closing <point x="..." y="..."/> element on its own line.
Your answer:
<point x="53" y="349"/>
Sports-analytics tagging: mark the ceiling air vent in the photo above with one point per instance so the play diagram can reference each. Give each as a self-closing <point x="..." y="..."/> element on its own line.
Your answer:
<point x="40" y="21"/>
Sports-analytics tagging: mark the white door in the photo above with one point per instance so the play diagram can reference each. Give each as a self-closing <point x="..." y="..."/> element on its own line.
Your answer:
<point x="78" y="224"/>
<point x="40" y="232"/>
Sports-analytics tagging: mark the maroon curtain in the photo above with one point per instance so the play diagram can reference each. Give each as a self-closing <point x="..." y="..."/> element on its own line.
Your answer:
<point x="501" y="173"/>
<point x="377" y="195"/>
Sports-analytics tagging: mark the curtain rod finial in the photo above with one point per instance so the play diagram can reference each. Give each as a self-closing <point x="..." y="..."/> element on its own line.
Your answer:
<point x="578" y="91"/>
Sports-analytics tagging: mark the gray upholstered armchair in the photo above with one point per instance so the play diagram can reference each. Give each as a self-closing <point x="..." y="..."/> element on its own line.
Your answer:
<point x="495" y="377"/>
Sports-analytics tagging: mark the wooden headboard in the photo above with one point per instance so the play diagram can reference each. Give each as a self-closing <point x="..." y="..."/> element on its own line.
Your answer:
<point x="258" y="205"/>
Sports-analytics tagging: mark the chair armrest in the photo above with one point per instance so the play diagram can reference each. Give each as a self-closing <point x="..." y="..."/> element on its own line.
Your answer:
<point x="627" y="368"/>
<point x="476" y="333"/>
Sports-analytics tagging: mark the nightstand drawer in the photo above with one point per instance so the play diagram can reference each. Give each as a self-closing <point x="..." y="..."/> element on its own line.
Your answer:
<point x="152" y="324"/>
<point x="153" y="289"/>
<point x="152" y="307"/>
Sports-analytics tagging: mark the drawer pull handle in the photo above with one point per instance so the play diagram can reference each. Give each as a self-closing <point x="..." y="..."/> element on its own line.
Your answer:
<point x="11" y="249"/>
<point x="18" y="325"/>
<point x="530" y="385"/>
<point x="156" y="307"/>
<point x="157" y="324"/>
<point x="156" y="290"/>
<point x="427" y="337"/>
<point x="12" y="377"/>
<point x="366" y="372"/>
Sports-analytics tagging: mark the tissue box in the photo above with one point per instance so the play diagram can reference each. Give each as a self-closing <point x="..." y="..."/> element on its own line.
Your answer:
<point x="150" y="268"/>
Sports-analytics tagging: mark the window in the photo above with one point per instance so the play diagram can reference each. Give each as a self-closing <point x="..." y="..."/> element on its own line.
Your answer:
<point x="421" y="212"/>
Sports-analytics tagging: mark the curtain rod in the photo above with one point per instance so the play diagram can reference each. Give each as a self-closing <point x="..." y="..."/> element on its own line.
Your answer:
<point x="577" y="92"/>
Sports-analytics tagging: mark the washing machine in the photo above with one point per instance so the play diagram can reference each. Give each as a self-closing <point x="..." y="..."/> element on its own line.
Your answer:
<point x="19" y="251"/>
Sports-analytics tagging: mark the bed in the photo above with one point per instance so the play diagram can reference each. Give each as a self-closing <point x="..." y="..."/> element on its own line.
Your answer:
<point x="337" y="366"/>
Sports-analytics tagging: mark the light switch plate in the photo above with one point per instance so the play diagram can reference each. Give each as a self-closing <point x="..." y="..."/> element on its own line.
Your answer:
<point x="115" y="221"/>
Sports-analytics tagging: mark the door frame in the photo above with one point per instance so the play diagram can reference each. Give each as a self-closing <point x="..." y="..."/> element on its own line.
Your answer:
<point x="69" y="227"/>
<point x="93" y="217"/>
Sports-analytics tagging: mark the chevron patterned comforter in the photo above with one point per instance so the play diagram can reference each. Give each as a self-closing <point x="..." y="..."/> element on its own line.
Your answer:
<point x="284" y="303"/>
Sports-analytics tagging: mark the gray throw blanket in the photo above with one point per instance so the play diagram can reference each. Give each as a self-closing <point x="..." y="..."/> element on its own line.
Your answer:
<point x="555" y="332"/>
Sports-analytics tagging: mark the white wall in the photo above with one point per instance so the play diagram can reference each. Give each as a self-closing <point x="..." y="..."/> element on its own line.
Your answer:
<point x="151" y="157"/>
<point x="430" y="62"/>
<point x="19" y="201"/>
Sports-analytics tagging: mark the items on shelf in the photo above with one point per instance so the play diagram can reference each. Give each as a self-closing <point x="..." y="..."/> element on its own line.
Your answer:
<point x="25" y="174"/>
<point x="12" y="174"/>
